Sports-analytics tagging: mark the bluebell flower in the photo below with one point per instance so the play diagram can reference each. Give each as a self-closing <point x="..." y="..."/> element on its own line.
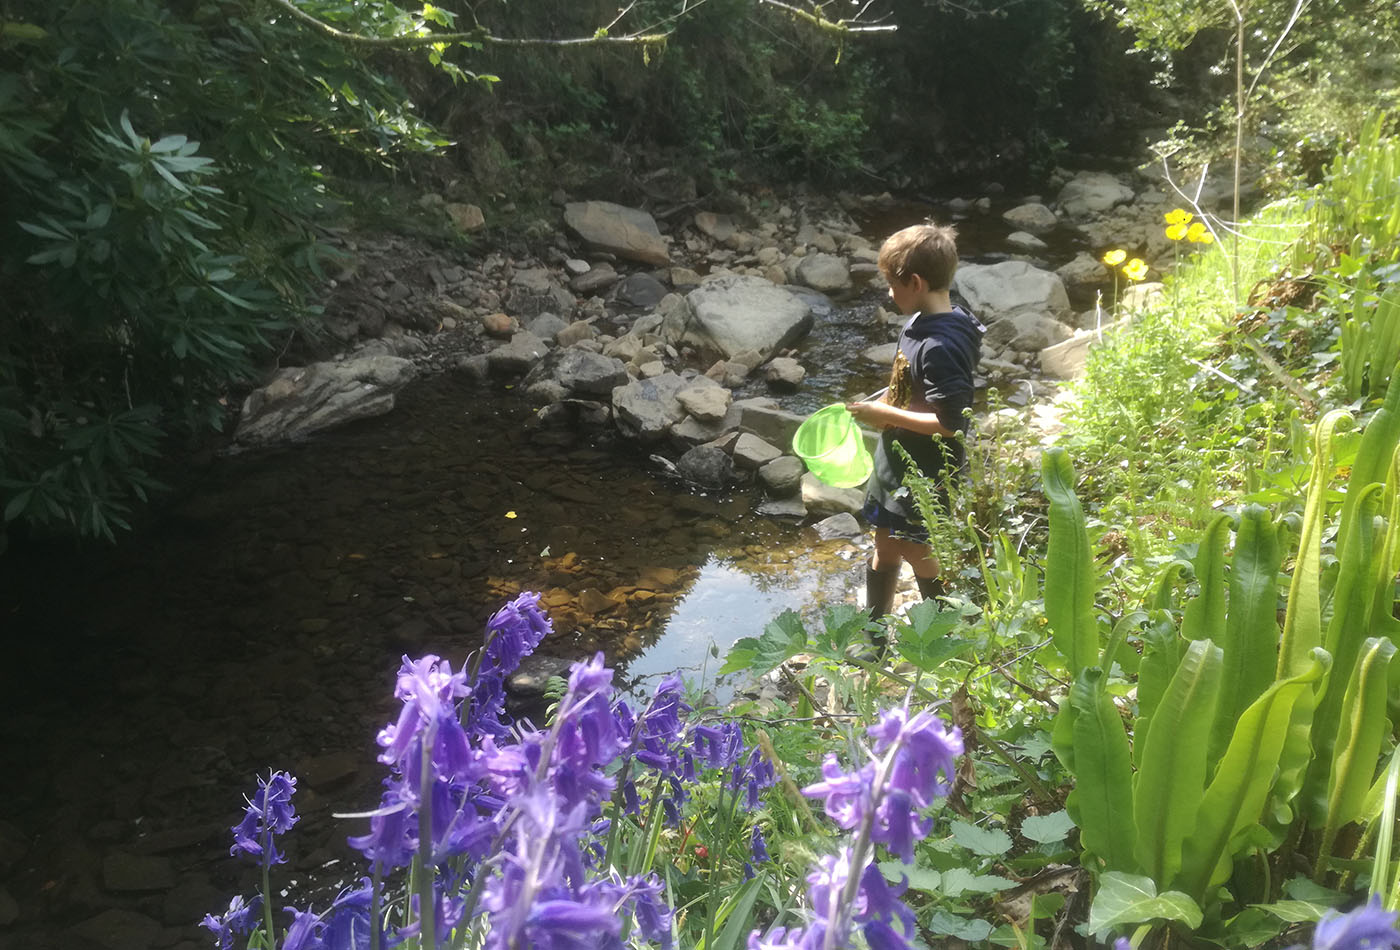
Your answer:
<point x="306" y="931"/>
<point x="514" y="631"/>
<point x="348" y="921"/>
<point x="757" y="846"/>
<point x="268" y="815"/>
<point x="238" y="920"/>
<point x="429" y="690"/>
<point x="1368" y="927"/>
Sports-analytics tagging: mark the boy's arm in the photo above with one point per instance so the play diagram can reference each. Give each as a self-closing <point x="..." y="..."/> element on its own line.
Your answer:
<point x="883" y="416"/>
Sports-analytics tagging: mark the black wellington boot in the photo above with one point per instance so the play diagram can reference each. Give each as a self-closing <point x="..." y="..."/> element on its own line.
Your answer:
<point x="931" y="588"/>
<point x="879" y="600"/>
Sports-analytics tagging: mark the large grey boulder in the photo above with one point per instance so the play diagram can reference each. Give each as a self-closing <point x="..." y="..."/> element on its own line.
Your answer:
<point x="626" y="232"/>
<point x="1034" y="218"/>
<point x="825" y="272"/>
<point x="1011" y="288"/>
<point x="648" y="408"/>
<point x="1092" y="193"/>
<point x="1026" y="331"/>
<point x="304" y="399"/>
<point x="732" y="314"/>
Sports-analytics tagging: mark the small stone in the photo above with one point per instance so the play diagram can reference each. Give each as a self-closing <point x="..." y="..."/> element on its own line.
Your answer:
<point x="651" y="369"/>
<point x="708" y="403"/>
<point x="1025" y="241"/>
<point x="787" y="509"/>
<point x="882" y="355"/>
<point x="576" y="267"/>
<point x="465" y="217"/>
<point x="517" y="356"/>
<point x="547" y="326"/>
<point x="598" y="278"/>
<point x="499" y="325"/>
<point x="640" y="290"/>
<point x="575" y="332"/>
<point x="1032" y="217"/>
<point x="784" y="372"/>
<point x="684" y="277"/>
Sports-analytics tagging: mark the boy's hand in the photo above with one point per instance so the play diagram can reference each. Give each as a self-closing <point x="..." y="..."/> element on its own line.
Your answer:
<point x="871" y="413"/>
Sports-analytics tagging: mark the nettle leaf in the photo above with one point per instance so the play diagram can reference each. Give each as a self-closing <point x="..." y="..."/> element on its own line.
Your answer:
<point x="923" y="636"/>
<point x="1133" y="899"/>
<point x="844" y="624"/>
<point x="958" y="881"/>
<point x="990" y="842"/>
<point x="972" y="930"/>
<point x="919" y="878"/>
<point x="784" y="637"/>
<point x="1047" y="829"/>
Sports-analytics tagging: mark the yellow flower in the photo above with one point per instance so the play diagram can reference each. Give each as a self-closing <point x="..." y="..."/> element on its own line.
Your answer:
<point x="1114" y="258"/>
<point x="1178" y="231"/>
<point x="1178" y="216"/>
<point x="1135" y="269"/>
<point x="1197" y="234"/>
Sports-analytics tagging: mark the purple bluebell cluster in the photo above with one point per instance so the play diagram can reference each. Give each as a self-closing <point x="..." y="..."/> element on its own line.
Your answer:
<point x="911" y="762"/>
<point x="722" y="748"/>
<point x="269" y="814"/>
<point x="495" y="819"/>
<point x="657" y="744"/>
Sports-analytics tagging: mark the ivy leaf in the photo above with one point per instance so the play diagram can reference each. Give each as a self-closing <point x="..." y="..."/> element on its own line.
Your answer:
<point x="1133" y="899"/>
<point x="990" y="842"/>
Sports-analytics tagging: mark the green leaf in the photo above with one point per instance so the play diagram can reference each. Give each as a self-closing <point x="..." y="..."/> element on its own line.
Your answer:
<point x="957" y="881"/>
<point x="919" y="878"/>
<point x="923" y="636"/>
<point x="989" y="842"/>
<point x="1295" y="912"/>
<point x="784" y="637"/>
<point x="737" y="914"/>
<point x="1101" y="803"/>
<point x="1364" y="728"/>
<point x="1204" y="616"/>
<point x="740" y="656"/>
<point x="1172" y="767"/>
<point x="1132" y="899"/>
<point x="1048" y="829"/>
<point x="973" y="929"/>
<point x="1251" y="628"/>
<point x="16" y="505"/>
<point x="1069" y="567"/>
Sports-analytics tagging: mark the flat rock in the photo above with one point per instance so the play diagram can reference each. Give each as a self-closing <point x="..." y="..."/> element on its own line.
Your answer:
<point x="734" y="314"/>
<point x="547" y="326"/>
<point x="1084" y="269"/>
<point x="823" y="499"/>
<point x="580" y="371"/>
<point x="522" y="352"/>
<point x="719" y="227"/>
<point x="137" y="872"/>
<point x="995" y="291"/>
<point x="882" y="355"/>
<point x="597" y="278"/>
<point x="1090" y="193"/>
<point x="787" y="509"/>
<point x="626" y="232"/>
<point x="752" y="453"/>
<point x="707" y="402"/>
<point x="1026" y="331"/>
<point x="118" y="929"/>
<point x="576" y="333"/>
<point x="302" y="400"/>
<point x="640" y="290"/>
<point x="784" y="373"/>
<point x="1065" y="359"/>
<point x="764" y="418"/>
<point x="1025" y="241"/>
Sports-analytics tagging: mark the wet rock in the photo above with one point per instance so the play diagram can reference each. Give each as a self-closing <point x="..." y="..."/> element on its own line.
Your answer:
<point x="547" y="326"/>
<point x="118" y="929"/>
<point x="763" y="418"/>
<point x="692" y="431"/>
<point x="465" y="217"/>
<point x="823" y="499"/>
<point x="1025" y="241"/>
<point x="843" y="525"/>
<point x="476" y="366"/>
<point x="824" y="272"/>
<point x="782" y="476"/>
<point x="751" y="452"/>
<point x="647" y="408"/>
<point x="626" y="232"/>
<point x="598" y="278"/>
<point x="708" y="402"/>
<point x="327" y="772"/>
<point x="640" y="290"/>
<point x="1092" y="192"/>
<point x="593" y="374"/>
<point x="137" y="872"/>
<point x="178" y="839"/>
<point x="302" y="400"/>
<point x="1035" y="218"/>
<point x="707" y="466"/>
<point x="532" y="676"/>
<point x="191" y="899"/>
<point x="517" y="356"/>
<point x="734" y="314"/>
<point x="784" y="373"/>
<point x="787" y="509"/>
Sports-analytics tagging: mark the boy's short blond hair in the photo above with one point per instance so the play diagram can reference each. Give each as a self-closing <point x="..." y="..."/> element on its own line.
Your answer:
<point x="929" y="250"/>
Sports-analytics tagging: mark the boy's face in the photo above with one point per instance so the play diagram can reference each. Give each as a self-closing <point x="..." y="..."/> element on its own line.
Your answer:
<point x="908" y="294"/>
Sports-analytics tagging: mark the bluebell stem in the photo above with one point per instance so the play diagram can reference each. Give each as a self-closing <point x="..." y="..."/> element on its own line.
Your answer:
<point x="269" y="814"/>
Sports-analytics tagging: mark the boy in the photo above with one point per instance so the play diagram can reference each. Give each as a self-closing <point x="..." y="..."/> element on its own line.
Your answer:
<point x="923" y="410"/>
